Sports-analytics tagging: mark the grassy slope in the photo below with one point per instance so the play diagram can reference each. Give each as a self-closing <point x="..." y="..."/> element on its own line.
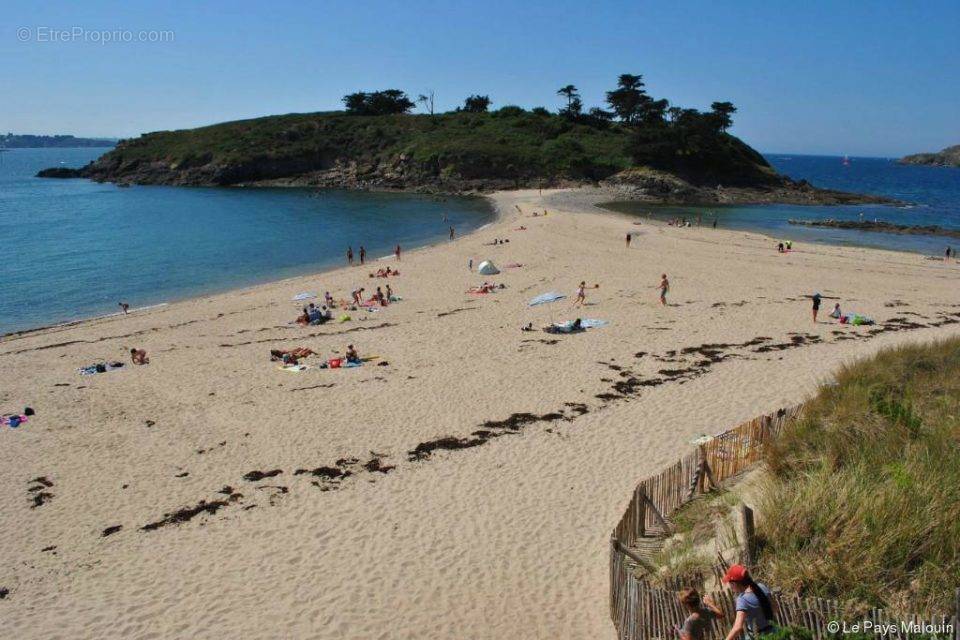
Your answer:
<point x="864" y="504"/>
<point x="499" y="145"/>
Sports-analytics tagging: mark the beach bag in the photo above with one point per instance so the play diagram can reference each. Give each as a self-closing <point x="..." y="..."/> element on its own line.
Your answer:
<point x="335" y="363"/>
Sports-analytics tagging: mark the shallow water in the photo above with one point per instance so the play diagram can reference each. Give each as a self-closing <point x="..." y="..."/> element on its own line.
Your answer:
<point x="75" y="248"/>
<point x="934" y="194"/>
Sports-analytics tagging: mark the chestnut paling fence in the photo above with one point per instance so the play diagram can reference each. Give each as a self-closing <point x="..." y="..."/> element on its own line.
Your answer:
<point x="642" y="610"/>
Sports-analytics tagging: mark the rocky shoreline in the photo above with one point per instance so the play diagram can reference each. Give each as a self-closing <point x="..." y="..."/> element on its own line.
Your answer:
<point x="880" y="226"/>
<point x="639" y="184"/>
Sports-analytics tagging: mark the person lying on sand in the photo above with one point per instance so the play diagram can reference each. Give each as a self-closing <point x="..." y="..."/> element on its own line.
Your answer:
<point x="304" y="318"/>
<point x="565" y="327"/>
<point x="291" y="356"/>
<point x="486" y="287"/>
<point x="527" y="327"/>
<point x="139" y="356"/>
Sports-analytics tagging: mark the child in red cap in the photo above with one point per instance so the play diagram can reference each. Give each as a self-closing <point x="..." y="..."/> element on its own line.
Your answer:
<point x="753" y="605"/>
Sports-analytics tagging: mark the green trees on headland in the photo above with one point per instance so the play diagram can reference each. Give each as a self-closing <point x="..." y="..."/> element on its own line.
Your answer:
<point x="663" y="136"/>
<point x="377" y="140"/>
<point x="377" y="103"/>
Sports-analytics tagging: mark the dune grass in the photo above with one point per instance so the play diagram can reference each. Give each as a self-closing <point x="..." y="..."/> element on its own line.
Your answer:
<point x="863" y="499"/>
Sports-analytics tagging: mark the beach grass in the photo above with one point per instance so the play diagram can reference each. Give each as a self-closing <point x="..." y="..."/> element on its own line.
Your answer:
<point x="863" y="498"/>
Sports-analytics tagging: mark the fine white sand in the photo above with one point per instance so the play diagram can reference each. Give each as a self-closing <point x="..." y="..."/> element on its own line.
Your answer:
<point x="504" y="540"/>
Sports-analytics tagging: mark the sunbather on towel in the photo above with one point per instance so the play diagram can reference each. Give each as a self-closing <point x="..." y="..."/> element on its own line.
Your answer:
<point x="291" y="356"/>
<point x="571" y="326"/>
<point x="352" y="355"/>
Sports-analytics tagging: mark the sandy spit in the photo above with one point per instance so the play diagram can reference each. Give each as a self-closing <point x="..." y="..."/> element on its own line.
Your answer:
<point x="506" y="538"/>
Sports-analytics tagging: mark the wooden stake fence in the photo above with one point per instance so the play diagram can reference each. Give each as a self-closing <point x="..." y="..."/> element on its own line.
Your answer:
<point x="643" y="611"/>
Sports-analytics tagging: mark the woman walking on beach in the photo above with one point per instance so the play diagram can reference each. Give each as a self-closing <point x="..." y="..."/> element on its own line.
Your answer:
<point x="664" y="288"/>
<point x="754" y="608"/>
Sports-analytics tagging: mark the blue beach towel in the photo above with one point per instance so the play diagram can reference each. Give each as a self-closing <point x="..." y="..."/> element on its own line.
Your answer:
<point x="588" y="323"/>
<point x="544" y="298"/>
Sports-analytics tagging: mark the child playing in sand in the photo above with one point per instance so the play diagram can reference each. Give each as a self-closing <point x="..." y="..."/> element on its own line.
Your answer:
<point x="664" y="288"/>
<point x="701" y="613"/>
<point x="139" y="356"/>
<point x="581" y="294"/>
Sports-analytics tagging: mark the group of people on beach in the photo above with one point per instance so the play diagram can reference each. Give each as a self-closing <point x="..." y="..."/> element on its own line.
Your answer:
<point x="313" y="315"/>
<point x="753" y="605"/>
<point x="363" y="252"/>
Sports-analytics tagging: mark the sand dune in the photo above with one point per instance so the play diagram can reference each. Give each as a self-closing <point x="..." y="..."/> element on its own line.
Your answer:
<point x="464" y="490"/>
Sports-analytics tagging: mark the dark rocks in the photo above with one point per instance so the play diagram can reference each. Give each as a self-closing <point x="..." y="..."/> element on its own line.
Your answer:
<point x="880" y="226"/>
<point x="60" y="172"/>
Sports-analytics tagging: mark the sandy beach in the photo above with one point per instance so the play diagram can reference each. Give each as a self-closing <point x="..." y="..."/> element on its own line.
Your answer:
<point x="465" y="489"/>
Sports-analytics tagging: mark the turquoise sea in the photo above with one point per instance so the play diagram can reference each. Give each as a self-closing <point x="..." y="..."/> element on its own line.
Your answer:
<point x="933" y="194"/>
<point x="75" y="248"/>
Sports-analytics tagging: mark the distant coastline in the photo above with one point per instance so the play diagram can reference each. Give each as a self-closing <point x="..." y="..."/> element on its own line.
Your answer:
<point x="29" y="141"/>
<point x="949" y="157"/>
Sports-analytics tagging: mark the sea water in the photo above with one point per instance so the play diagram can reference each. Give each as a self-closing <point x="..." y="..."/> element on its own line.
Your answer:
<point x="74" y="248"/>
<point x="932" y="194"/>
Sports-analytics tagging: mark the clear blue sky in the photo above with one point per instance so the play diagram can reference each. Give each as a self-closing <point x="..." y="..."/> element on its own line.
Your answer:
<point x="861" y="78"/>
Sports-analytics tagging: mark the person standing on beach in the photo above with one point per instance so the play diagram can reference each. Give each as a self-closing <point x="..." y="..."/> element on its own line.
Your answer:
<point x="453" y="233"/>
<point x="628" y="240"/>
<point x="581" y="293"/>
<point x="947" y="254"/>
<point x="816" y="305"/>
<point x="350" y="256"/>
<point x="470" y="264"/>
<point x="714" y="222"/>
<point x="126" y="307"/>
<point x="664" y="288"/>
<point x="396" y="252"/>
<point x="363" y="254"/>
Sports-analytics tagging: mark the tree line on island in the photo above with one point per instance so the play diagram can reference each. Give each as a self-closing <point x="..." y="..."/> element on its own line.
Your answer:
<point x="662" y="135"/>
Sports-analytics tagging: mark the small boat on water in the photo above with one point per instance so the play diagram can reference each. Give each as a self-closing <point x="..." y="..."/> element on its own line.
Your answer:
<point x="846" y="161"/>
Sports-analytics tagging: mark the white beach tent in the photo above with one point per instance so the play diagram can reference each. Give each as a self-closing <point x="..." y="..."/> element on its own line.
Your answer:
<point x="487" y="268"/>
